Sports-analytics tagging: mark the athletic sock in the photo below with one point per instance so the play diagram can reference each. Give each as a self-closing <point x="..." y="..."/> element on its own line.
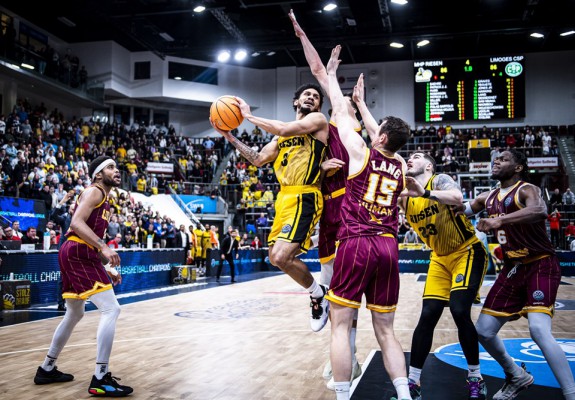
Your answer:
<point x="341" y="390"/>
<point x="315" y="290"/>
<point x="414" y="374"/>
<point x="402" y="388"/>
<point x="473" y="371"/>
<point x="101" y="370"/>
<point x="49" y="363"/>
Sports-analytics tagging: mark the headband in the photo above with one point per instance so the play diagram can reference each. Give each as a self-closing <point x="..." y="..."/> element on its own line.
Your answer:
<point x="103" y="165"/>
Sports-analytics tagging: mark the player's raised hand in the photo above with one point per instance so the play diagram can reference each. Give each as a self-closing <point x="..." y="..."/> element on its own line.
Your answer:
<point x="244" y="107"/>
<point x="334" y="60"/>
<point x="217" y="128"/>
<point x="298" y="30"/>
<point x="359" y="90"/>
<point x="412" y="188"/>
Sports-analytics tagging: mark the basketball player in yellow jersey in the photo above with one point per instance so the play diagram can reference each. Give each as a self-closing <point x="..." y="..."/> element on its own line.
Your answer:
<point x="297" y="151"/>
<point x="206" y="245"/>
<point x="456" y="269"/>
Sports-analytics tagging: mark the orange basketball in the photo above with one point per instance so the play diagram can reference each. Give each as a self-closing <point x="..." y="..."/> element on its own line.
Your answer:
<point x="225" y="113"/>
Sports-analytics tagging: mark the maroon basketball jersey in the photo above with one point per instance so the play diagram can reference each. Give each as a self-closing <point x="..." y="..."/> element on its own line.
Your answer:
<point x="370" y="204"/>
<point x="100" y="216"/>
<point x="335" y="149"/>
<point x="518" y="241"/>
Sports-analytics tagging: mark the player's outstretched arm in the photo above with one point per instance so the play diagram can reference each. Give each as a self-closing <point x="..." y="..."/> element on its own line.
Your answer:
<point x="353" y="143"/>
<point x="445" y="190"/>
<point x="311" y="55"/>
<point x="312" y="122"/>
<point x="371" y="125"/>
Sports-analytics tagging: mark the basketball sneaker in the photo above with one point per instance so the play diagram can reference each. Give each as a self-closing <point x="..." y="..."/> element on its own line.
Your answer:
<point x="514" y="384"/>
<point x="414" y="390"/>
<point x="319" y="311"/>
<point x="355" y="373"/>
<point x="477" y="388"/>
<point x="44" y="377"/>
<point x="108" y="386"/>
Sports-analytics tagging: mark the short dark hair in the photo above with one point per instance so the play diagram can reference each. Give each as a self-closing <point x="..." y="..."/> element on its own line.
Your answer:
<point x="520" y="158"/>
<point x="397" y="131"/>
<point x="304" y="87"/>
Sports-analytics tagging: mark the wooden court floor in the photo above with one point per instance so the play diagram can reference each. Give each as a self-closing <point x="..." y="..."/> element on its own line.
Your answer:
<point x="246" y="341"/>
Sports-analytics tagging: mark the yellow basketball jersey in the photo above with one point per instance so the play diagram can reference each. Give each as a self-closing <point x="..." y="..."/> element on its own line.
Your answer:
<point x="299" y="159"/>
<point x="206" y="244"/>
<point x="437" y="225"/>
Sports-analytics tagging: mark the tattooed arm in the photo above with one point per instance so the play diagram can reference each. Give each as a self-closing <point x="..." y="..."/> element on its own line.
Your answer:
<point x="444" y="189"/>
<point x="267" y="154"/>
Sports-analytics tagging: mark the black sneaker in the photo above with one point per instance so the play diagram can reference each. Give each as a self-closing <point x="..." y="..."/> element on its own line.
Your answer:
<point x="44" y="377"/>
<point x="108" y="387"/>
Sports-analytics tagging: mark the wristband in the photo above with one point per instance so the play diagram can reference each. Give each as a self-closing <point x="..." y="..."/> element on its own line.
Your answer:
<point x="426" y="194"/>
<point x="467" y="210"/>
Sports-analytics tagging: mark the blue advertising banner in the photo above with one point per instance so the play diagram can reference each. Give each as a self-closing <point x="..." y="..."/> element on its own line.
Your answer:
<point x="140" y="269"/>
<point x="250" y="261"/>
<point x="30" y="213"/>
<point x="567" y="262"/>
<point x="200" y="204"/>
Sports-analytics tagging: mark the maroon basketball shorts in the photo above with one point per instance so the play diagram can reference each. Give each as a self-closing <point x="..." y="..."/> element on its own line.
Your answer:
<point x="525" y="288"/>
<point x="81" y="270"/>
<point x="366" y="265"/>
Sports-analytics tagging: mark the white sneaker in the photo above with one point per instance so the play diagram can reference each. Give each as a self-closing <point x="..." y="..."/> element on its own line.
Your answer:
<point x="355" y="373"/>
<point x="513" y="385"/>
<point x="319" y="311"/>
<point x="327" y="372"/>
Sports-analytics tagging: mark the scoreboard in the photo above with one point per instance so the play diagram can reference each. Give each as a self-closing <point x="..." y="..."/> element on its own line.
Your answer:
<point x="469" y="89"/>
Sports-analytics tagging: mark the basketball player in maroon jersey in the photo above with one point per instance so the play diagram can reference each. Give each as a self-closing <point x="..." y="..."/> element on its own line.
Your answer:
<point x="333" y="182"/>
<point x="83" y="277"/>
<point x="528" y="282"/>
<point x="366" y="261"/>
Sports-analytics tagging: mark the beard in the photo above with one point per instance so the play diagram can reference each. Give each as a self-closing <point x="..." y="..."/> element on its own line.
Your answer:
<point x="110" y="182"/>
<point x="415" y="172"/>
<point x="305" y="109"/>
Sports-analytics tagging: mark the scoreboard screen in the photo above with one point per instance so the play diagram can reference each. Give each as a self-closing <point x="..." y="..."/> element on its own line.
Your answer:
<point x="470" y="89"/>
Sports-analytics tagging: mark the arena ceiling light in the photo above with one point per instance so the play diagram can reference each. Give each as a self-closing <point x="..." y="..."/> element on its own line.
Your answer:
<point x="567" y="33"/>
<point x="400" y="2"/>
<point x="537" y="35"/>
<point x="27" y="66"/>
<point x="224" y="56"/>
<point x="199" y="9"/>
<point x="240" y="55"/>
<point x="330" y="7"/>
<point x="422" y="43"/>
<point x="396" y="45"/>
